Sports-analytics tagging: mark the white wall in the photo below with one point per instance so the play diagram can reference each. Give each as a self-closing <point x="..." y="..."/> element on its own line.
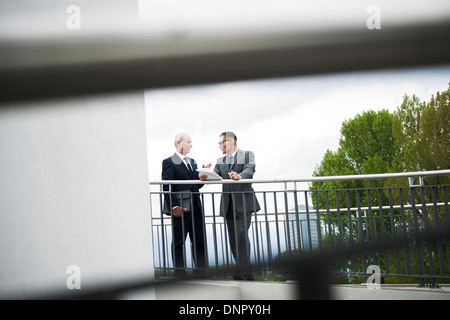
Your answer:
<point x="73" y="189"/>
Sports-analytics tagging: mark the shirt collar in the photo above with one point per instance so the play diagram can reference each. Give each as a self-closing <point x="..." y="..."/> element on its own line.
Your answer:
<point x="180" y="155"/>
<point x="234" y="153"/>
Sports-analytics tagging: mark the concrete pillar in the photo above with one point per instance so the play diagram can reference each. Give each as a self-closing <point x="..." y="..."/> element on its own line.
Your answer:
<point x="74" y="196"/>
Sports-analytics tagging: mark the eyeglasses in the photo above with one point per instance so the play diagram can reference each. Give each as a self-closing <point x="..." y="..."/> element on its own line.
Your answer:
<point x="222" y="142"/>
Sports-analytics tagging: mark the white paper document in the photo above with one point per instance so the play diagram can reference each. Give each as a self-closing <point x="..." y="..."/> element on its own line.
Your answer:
<point x="210" y="173"/>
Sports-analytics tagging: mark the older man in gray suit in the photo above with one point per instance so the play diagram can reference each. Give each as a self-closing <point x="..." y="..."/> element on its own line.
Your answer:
<point x="238" y="200"/>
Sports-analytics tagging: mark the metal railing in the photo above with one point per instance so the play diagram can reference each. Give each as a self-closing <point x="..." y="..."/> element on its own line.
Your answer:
<point x="294" y="223"/>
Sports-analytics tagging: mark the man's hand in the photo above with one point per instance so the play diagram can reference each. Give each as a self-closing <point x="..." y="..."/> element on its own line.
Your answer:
<point x="177" y="211"/>
<point x="234" y="175"/>
<point x="207" y="165"/>
<point x="204" y="176"/>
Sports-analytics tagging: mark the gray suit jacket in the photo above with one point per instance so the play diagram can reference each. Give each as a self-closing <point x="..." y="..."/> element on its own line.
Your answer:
<point x="243" y="195"/>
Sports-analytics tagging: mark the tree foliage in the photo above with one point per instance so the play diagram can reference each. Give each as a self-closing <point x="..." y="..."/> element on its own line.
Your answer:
<point x="366" y="146"/>
<point x="422" y="131"/>
<point x="368" y="142"/>
<point x="416" y="137"/>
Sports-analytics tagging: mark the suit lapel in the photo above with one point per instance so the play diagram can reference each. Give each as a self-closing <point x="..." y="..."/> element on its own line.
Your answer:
<point x="234" y="162"/>
<point x="225" y="167"/>
<point x="237" y="159"/>
<point x="176" y="159"/>
<point x="178" y="162"/>
<point x="191" y="173"/>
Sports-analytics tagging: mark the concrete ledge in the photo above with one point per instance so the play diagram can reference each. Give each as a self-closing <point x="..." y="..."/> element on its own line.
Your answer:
<point x="199" y="290"/>
<point x="389" y="292"/>
<point x="259" y="290"/>
<point x="227" y="290"/>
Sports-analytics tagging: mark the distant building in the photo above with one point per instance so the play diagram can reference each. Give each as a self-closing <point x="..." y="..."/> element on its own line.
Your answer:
<point x="299" y="236"/>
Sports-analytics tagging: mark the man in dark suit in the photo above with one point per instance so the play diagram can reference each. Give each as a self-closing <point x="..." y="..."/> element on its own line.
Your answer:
<point x="185" y="207"/>
<point x="238" y="200"/>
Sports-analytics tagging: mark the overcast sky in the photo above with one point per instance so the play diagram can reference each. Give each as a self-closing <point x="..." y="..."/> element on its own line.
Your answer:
<point x="288" y="123"/>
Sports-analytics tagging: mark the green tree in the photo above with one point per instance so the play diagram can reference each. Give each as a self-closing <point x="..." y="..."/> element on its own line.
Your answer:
<point x="414" y="138"/>
<point x="366" y="146"/>
<point x="422" y="131"/>
<point x="368" y="143"/>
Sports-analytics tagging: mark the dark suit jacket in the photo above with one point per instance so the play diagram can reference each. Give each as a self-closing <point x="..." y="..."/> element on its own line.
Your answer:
<point x="244" y="165"/>
<point x="174" y="169"/>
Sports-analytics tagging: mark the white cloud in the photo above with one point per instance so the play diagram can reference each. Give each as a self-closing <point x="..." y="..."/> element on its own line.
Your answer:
<point x="288" y="123"/>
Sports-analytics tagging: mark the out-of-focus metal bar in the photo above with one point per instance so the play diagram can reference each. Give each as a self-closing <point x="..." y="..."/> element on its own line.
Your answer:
<point x="144" y="62"/>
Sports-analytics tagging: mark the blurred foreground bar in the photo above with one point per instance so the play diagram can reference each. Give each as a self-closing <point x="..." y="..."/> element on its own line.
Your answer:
<point x="56" y="66"/>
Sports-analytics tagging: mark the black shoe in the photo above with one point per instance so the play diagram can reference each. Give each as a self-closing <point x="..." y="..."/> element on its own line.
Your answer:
<point x="199" y="274"/>
<point x="237" y="276"/>
<point x="248" y="277"/>
<point x="181" y="274"/>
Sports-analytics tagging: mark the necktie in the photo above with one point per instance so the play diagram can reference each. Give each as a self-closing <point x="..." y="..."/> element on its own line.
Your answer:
<point x="188" y="164"/>
<point x="229" y="162"/>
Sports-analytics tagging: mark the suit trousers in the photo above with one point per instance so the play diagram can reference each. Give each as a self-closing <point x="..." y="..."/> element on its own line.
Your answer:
<point x="238" y="225"/>
<point x="192" y="224"/>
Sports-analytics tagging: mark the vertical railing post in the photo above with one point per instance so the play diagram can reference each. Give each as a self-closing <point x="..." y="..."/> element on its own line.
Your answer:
<point x="319" y="221"/>
<point x="269" y="242"/>
<point x="382" y="229"/>
<point x="350" y="226"/>
<point x="162" y="230"/>
<point x="277" y="227"/>
<point x="286" y="208"/>
<point x="393" y="231"/>
<point x="308" y="223"/>
<point x="216" y="254"/>
<point x="418" y="244"/>
<point x="437" y="227"/>
<point x="427" y="229"/>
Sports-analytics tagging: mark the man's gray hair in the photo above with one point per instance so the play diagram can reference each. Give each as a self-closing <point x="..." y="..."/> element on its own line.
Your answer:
<point x="179" y="137"/>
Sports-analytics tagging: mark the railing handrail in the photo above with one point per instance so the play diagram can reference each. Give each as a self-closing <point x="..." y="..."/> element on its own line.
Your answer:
<point x="375" y="176"/>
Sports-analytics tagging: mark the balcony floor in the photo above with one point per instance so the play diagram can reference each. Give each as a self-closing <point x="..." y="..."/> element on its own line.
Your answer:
<point x="245" y="290"/>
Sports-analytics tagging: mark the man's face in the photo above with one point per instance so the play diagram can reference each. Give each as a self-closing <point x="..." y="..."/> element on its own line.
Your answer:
<point x="226" y="144"/>
<point x="185" y="145"/>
